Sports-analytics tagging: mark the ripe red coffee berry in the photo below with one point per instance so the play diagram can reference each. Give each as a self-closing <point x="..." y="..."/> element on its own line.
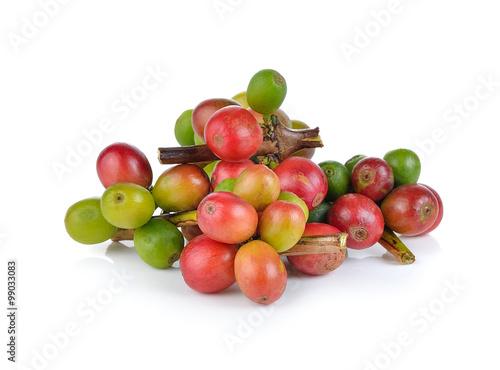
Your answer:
<point x="204" y="110"/>
<point x="410" y="209"/>
<point x="304" y="178"/>
<point x="373" y="178"/>
<point x="233" y="134"/>
<point x="122" y="162"/>
<point x="207" y="265"/>
<point x="260" y="273"/>
<point x="227" y="218"/>
<point x="360" y="217"/>
<point x="441" y="211"/>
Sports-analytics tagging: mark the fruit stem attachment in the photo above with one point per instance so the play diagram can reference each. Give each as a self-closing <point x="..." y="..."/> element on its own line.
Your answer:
<point x="331" y="243"/>
<point x="279" y="143"/>
<point x="178" y="219"/>
<point x="396" y="247"/>
<point x="267" y="119"/>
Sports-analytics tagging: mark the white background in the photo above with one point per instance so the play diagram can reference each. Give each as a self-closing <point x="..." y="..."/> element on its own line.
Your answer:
<point x="65" y="69"/>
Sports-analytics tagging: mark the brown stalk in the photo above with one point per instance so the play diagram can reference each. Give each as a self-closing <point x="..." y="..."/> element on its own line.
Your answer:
<point x="396" y="247"/>
<point x="178" y="219"/>
<point x="332" y="243"/>
<point x="279" y="143"/>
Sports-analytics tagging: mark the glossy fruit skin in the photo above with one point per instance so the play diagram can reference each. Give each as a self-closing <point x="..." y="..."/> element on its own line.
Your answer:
<point x="198" y="140"/>
<point x="320" y="263"/>
<point x="360" y="217"/>
<point x="191" y="231"/>
<point x="282" y="224"/>
<point x="183" y="129"/>
<point x="441" y="211"/>
<point x="338" y="177"/>
<point x="224" y="170"/>
<point x="204" y="110"/>
<point x="266" y="91"/>
<point x="258" y="185"/>
<point x="209" y="168"/>
<point x="351" y="162"/>
<point x="127" y="205"/>
<point x="241" y="98"/>
<point x="410" y="209"/>
<point x="181" y="188"/>
<point x="227" y="218"/>
<point x="260" y="273"/>
<point x="228" y="128"/>
<point x="292" y="198"/>
<point x="85" y="223"/>
<point x="405" y="165"/>
<point x="373" y="178"/>
<point x="304" y="178"/>
<point x="282" y="116"/>
<point x="159" y="243"/>
<point x="319" y="214"/>
<point x="207" y="266"/>
<point x="226" y="185"/>
<point x="122" y="162"/>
